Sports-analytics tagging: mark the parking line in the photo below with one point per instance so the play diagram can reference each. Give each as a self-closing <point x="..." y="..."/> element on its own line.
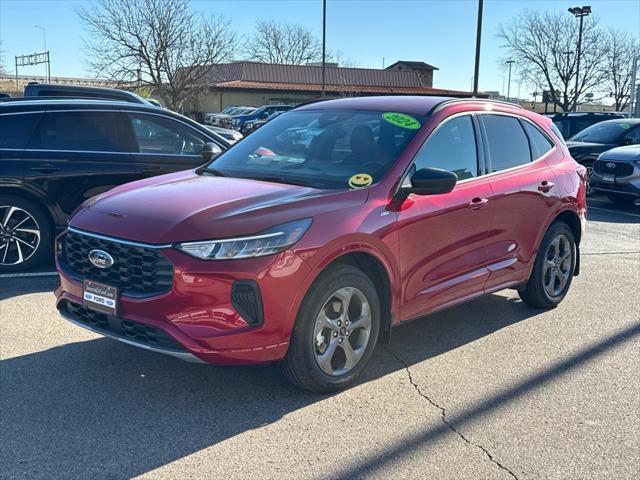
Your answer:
<point x="615" y="212"/>
<point x="28" y="274"/>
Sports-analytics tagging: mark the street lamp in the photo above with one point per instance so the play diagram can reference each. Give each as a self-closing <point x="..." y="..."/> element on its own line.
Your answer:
<point x="324" y="46"/>
<point x="579" y="12"/>
<point x="509" y="62"/>
<point x="44" y="35"/>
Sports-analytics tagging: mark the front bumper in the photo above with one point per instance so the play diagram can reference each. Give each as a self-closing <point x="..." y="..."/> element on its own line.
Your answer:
<point x="629" y="184"/>
<point x="198" y="313"/>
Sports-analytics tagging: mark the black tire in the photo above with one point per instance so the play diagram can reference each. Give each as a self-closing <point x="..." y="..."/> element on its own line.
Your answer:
<point x="44" y="248"/>
<point x="300" y="366"/>
<point x="534" y="292"/>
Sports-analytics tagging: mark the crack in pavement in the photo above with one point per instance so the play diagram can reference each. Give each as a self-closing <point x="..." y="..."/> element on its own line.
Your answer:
<point x="443" y="415"/>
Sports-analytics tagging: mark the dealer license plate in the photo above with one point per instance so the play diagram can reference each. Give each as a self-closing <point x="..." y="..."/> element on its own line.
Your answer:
<point x="100" y="297"/>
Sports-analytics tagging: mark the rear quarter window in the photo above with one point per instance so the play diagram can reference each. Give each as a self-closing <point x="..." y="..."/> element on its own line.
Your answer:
<point x="539" y="143"/>
<point x="16" y="129"/>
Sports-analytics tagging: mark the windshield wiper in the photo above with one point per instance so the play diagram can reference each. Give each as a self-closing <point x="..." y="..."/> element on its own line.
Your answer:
<point x="213" y="171"/>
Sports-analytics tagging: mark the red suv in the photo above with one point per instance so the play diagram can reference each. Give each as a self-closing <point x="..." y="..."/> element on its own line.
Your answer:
<point x="307" y="241"/>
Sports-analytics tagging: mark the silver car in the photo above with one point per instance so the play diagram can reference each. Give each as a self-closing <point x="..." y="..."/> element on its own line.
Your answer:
<point x="616" y="172"/>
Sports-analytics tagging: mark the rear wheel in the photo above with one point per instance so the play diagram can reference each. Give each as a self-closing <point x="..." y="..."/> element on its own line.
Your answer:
<point x="553" y="269"/>
<point x="336" y="331"/>
<point x="25" y="234"/>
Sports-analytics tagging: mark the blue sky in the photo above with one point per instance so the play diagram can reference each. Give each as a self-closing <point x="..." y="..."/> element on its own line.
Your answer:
<point x="439" y="32"/>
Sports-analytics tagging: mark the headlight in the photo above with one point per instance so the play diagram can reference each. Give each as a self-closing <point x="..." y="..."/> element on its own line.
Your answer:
<point x="269" y="242"/>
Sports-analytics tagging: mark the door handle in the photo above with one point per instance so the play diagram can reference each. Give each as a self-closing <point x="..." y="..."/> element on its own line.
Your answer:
<point x="45" y="168"/>
<point x="477" y="203"/>
<point x="545" y="186"/>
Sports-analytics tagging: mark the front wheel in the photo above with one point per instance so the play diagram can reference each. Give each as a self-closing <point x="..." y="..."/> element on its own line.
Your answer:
<point x="336" y="331"/>
<point x="25" y="234"/>
<point x="553" y="268"/>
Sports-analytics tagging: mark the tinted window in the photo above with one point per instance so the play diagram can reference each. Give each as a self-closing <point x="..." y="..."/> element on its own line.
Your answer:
<point x="87" y="131"/>
<point x="451" y="147"/>
<point x="165" y="136"/>
<point x="610" y="131"/>
<point x="540" y="144"/>
<point x="15" y="130"/>
<point x="633" y="137"/>
<point x="506" y="141"/>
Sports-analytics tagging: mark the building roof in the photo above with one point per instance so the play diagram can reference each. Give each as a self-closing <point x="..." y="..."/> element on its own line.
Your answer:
<point x="414" y="65"/>
<point x="311" y="75"/>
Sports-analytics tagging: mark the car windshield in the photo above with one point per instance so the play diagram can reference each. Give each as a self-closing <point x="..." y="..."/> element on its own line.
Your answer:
<point x="603" y="132"/>
<point x="331" y="149"/>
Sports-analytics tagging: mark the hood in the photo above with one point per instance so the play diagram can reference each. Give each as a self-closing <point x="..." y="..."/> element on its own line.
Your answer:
<point x="629" y="153"/>
<point x="578" y="149"/>
<point x="186" y="206"/>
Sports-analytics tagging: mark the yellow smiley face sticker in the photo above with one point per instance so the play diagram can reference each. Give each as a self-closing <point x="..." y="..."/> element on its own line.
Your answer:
<point x="360" y="180"/>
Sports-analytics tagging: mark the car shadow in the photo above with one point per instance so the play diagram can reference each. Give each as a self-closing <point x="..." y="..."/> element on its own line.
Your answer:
<point x="99" y="408"/>
<point x="14" y="287"/>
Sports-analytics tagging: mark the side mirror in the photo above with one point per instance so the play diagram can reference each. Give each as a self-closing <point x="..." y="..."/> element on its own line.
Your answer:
<point x="431" y="181"/>
<point x="210" y="151"/>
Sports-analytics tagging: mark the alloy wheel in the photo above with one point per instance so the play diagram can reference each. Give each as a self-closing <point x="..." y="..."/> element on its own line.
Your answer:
<point x="589" y="179"/>
<point x="19" y="235"/>
<point x="341" y="331"/>
<point x="557" y="266"/>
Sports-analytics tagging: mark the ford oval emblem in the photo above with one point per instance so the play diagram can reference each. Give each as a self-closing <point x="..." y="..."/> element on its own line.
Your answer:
<point x="100" y="259"/>
<point x="611" y="165"/>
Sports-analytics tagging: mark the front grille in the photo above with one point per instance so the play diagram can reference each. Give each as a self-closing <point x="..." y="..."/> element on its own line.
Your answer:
<point x="117" y="327"/>
<point x="137" y="271"/>
<point x="620" y="169"/>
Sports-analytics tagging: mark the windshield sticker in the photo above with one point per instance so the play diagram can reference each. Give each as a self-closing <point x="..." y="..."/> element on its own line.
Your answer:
<point x="401" y="120"/>
<point x="625" y="126"/>
<point x="360" y="180"/>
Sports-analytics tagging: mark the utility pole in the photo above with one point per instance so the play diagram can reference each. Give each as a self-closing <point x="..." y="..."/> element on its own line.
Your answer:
<point x="632" y="87"/>
<point x="476" y="71"/>
<point x="579" y="12"/>
<point x="510" y="63"/>
<point x="324" y="44"/>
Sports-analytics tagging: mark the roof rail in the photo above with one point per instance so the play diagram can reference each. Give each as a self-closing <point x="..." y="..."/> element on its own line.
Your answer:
<point x="440" y="105"/>
<point x="37" y="99"/>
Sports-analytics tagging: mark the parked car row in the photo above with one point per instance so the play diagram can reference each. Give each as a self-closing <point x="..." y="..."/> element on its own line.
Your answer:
<point x="215" y="119"/>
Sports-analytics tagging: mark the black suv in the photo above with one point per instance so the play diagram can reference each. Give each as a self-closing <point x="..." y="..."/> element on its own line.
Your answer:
<point x="57" y="153"/>
<point x="77" y="91"/>
<point x="570" y="123"/>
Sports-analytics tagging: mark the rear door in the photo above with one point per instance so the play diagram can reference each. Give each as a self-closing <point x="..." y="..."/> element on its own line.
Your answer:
<point x="163" y="144"/>
<point x="523" y="194"/>
<point x="74" y="155"/>
<point x="15" y="130"/>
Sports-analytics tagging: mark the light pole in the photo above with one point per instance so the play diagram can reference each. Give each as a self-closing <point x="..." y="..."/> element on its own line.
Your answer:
<point x="578" y="12"/>
<point x="324" y="44"/>
<point x="509" y="62"/>
<point x="44" y="35"/>
<point x="478" y="39"/>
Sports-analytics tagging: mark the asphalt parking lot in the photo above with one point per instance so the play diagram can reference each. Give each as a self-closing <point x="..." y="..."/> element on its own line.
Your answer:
<point x="491" y="389"/>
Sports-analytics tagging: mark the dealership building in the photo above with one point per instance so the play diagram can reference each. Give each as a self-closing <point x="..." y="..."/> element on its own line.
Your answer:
<point x="254" y="84"/>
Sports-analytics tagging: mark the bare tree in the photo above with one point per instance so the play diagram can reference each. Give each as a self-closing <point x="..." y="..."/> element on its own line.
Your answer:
<point x="621" y="49"/>
<point x="544" y="45"/>
<point x="156" y="43"/>
<point x="274" y="42"/>
<point x="3" y="70"/>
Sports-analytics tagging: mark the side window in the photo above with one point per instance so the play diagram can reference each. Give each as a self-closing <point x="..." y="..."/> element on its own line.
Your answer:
<point x="540" y="144"/>
<point x="633" y="137"/>
<point x="85" y="131"/>
<point x="583" y="122"/>
<point x="16" y="129"/>
<point x="506" y="141"/>
<point x="160" y="135"/>
<point x="451" y="147"/>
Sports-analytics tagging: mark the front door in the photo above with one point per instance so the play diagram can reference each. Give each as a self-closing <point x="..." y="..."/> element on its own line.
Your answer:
<point x="443" y="237"/>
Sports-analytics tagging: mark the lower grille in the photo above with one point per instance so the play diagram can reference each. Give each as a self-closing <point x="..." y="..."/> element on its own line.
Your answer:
<point x="118" y="327"/>
<point x="246" y="300"/>
<point x="619" y="169"/>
